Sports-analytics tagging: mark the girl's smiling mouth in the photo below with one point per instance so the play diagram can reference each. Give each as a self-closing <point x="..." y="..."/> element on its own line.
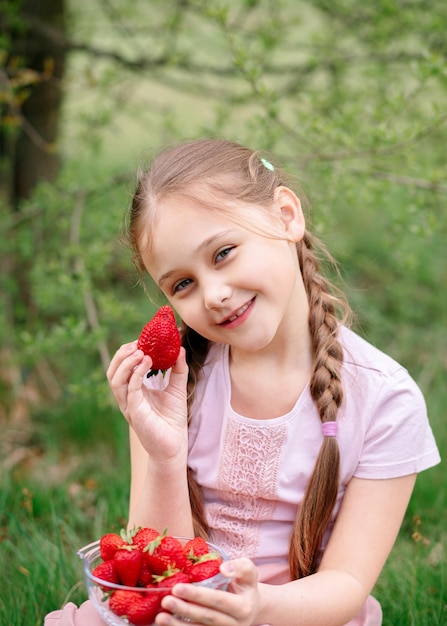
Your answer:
<point x="239" y="316"/>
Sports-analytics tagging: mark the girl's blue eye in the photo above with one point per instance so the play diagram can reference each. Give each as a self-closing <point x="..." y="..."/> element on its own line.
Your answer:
<point x="223" y="253"/>
<point x="182" y="284"/>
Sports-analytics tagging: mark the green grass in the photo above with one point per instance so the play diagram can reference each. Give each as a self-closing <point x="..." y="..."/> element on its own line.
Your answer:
<point x="67" y="493"/>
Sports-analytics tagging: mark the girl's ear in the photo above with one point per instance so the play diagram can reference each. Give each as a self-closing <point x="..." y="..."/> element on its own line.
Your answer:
<point x="291" y="214"/>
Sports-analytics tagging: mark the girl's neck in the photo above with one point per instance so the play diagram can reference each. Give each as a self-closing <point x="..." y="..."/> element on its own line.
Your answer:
<point x="267" y="387"/>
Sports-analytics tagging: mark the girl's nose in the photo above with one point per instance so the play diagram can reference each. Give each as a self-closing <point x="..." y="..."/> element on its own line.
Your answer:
<point x="215" y="293"/>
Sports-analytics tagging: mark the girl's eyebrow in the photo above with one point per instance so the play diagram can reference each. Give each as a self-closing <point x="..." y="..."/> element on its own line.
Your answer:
<point x="202" y="246"/>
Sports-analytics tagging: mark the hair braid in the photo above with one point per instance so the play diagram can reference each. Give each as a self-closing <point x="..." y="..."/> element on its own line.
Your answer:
<point x="326" y="391"/>
<point x="196" y="348"/>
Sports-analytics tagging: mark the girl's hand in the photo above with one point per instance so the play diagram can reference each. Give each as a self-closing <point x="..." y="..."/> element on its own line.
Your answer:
<point x="211" y="607"/>
<point x="158" y="417"/>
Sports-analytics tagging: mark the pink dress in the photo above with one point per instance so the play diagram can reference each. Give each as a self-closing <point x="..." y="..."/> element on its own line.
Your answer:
<point x="254" y="472"/>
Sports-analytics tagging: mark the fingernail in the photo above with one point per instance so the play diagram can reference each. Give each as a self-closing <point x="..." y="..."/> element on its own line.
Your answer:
<point x="227" y="568"/>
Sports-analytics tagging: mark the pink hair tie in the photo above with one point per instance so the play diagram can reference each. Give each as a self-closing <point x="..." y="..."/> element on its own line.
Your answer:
<point x="329" y="429"/>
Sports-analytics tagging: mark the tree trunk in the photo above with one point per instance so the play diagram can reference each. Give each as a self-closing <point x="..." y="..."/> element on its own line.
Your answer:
<point x="30" y="82"/>
<point x="31" y="154"/>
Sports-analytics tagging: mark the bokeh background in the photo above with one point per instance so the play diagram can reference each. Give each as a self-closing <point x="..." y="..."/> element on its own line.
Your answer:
<point x="349" y="96"/>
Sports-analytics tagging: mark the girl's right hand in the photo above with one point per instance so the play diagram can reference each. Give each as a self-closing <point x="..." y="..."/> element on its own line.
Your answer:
<point x="158" y="417"/>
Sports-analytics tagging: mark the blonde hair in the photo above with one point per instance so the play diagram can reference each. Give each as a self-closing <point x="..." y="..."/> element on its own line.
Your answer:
<point x="236" y="172"/>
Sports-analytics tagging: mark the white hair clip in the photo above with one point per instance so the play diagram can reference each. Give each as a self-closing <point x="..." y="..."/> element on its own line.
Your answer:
<point x="267" y="164"/>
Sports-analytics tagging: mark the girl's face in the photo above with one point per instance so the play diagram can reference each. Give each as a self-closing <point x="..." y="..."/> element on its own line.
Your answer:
<point x="229" y="283"/>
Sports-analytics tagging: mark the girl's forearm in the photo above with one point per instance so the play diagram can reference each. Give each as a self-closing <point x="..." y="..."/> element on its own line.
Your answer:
<point x="327" y="598"/>
<point x="163" y="502"/>
<point x="159" y="495"/>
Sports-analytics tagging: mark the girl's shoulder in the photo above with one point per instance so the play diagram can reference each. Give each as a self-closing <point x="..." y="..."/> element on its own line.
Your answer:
<point x="384" y="427"/>
<point x="364" y="359"/>
<point x="373" y="378"/>
<point x="359" y="353"/>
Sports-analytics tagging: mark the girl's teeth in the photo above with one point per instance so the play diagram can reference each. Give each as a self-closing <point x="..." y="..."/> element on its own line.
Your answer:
<point x="241" y="310"/>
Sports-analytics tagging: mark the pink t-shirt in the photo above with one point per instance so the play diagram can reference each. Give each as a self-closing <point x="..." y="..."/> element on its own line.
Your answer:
<point x="254" y="472"/>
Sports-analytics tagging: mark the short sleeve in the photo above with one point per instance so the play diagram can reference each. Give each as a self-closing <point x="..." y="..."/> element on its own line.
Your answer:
<point x="398" y="439"/>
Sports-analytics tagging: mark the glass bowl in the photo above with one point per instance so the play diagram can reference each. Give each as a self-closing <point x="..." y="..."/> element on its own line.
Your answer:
<point x="99" y="590"/>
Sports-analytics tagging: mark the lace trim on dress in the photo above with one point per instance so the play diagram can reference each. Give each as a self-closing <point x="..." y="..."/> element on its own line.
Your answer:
<point x="247" y="484"/>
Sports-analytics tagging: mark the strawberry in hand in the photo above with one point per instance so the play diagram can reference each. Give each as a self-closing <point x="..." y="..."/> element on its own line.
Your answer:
<point x="160" y="339"/>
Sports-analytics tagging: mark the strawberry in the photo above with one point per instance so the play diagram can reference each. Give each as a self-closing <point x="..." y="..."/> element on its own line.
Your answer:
<point x="165" y="552"/>
<point x="146" y="576"/>
<point x="138" y="608"/>
<point x="120" y="600"/>
<point x="142" y="610"/>
<point x="204" y="569"/>
<point x="196" y="547"/>
<point x="144" y="536"/>
<point x="170" y="578"/>
<point x="128" y="561"/>
<point x="160" y="339"/>
<point x="109" y="544"/>
<point x="106" y="571"/>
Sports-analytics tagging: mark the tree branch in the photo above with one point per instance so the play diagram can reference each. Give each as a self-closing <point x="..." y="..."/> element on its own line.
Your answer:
<point x="144" y="63"/>
<point x="79" y="266"/>
<point x="409" y="181"/>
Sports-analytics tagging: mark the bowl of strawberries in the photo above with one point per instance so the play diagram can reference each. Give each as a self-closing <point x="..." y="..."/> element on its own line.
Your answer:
<point x="128" y="574"/>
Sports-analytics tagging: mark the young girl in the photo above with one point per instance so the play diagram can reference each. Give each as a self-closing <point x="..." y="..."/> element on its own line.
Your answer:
<point x="279" y="434"/>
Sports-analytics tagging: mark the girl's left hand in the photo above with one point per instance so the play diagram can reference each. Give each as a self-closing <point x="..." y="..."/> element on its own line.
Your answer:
<point x="211" y="607"/>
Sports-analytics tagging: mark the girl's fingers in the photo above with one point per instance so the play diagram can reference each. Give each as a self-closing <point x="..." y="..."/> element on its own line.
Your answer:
<point x="124" y="351"/>
<point x="202" y="605"/>
<point x="180" y="366"/>
<point x="137" y="373"/>
<point x="242" y="571"/>
<point x="121" y="372"/>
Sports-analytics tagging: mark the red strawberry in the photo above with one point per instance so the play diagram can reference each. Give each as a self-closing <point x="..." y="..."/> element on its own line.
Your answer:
<point x="160" y="339"/>
<point x="165" y="583"/>
<point x="109" y="544"/>
<point x="171" y="578"/>
<point x="204" y="569"/>
<point x="144" y="536"/>
<point x="196" y="547"/>
<point x="106" y="571"/>
<point x="146" y="575"/>
<point x="165" y="552"/>
<point x="142" y="610"/>
<point x="138" y="608"/>
<point x="128" y="561"/>
<point x="120" y="600"/>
